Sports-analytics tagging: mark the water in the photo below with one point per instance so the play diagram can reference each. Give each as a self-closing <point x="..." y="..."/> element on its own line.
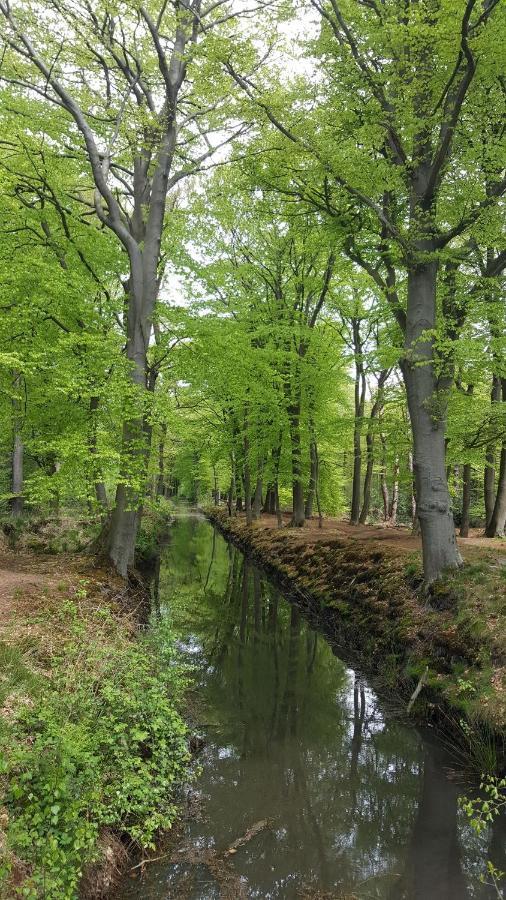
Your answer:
<point x="324" y="791"/>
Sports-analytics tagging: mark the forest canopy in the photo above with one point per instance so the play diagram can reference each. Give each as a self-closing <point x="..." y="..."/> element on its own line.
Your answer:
<point x="255" y="251"/>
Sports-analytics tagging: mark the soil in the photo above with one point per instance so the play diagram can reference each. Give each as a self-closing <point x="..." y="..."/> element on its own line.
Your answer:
<point x="399" y="537"/>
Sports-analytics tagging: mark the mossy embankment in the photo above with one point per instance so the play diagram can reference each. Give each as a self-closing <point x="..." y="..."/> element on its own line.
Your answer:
<point x="367" y="596"/>
<point x="93" y="747"/>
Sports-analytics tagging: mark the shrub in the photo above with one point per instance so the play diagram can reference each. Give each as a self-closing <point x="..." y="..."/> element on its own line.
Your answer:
<point x="103" y="746"/>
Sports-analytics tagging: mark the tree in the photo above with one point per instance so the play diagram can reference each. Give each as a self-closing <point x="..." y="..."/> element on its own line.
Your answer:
<point x="141" y="126"/>
<point x="391" y="145"/>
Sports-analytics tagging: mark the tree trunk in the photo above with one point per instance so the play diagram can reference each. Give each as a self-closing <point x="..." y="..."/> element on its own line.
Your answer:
<point x="98" y="483"/>
<point x="122" y="526"/>
<point x="257" y="499"/>
<point x="375" y="412"/>
<point x="415" y="525"/>
<point x="466" y="488"/>
<point x="357" y="442"/>
<point x="17" y="502"/>
<point x="383" y="479"/>
<point x="269" y="506"/>
<point x="247" y="476"/>
<point x="231" y="490"/>
<point x="297" y="485"/>
<point x="497" y="524"/>
<point x="279" y="516"/>
<point x="313" y="479"/>
<point x="466" y="500"/>
<point x="394" y="502"/>
<point x="427" y="410"/>
<point x="160" y="485"/>
<point x="368" y="477"/>
<point x="490" y="458"/>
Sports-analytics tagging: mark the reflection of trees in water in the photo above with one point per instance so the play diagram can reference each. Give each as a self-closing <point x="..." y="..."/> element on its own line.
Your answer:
<point x="434" y="863"/>
<point x="310" y="746"/>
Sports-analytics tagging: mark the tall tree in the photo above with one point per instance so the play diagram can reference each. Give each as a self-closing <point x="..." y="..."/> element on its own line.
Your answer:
<point x="142" y="126"/>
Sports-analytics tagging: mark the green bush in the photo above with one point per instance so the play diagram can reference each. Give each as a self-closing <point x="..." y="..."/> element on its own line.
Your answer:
<point x="103" y="746"/>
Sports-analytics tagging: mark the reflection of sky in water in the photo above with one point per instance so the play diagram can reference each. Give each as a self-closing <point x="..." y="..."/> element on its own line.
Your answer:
<point x="358" y="804"/>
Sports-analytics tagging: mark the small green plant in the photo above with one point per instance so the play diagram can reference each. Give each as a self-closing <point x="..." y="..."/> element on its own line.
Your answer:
<point x="104" y="746"/>
<point x="481" y="812"/>
<point x="465" y="687"/>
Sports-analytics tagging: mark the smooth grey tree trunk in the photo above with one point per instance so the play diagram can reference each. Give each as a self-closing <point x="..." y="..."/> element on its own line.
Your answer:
<point x="489" y="490"/>
<point x="427" y="411"/>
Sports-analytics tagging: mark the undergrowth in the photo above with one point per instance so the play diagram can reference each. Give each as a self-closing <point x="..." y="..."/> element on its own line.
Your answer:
<point x="99" y="744"/>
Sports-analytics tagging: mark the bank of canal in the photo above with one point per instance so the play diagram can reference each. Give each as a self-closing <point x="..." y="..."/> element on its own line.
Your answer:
<point x="311" y="785"/>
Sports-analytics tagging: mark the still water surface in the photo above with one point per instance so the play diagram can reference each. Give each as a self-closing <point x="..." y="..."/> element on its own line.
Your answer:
<point x="357" y="801"/>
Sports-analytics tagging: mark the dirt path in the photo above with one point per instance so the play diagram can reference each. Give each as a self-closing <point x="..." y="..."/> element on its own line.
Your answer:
<point x="30" y="582"/>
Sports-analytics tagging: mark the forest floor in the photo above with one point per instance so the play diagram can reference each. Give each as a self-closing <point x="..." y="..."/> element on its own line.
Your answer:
<point x="398" y="537"/>
<point x="364" y="586"/>
<point x="79" y="678"/>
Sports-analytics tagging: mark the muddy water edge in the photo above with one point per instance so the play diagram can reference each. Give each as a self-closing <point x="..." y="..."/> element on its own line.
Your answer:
<point x="312" y="785"/>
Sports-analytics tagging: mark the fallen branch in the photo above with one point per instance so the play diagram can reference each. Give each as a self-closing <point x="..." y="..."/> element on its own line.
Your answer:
<point x="417" y="690"/>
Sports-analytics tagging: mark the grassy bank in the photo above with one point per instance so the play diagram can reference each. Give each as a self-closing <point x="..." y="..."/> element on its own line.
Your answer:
<point x="366" y="594"/>
<point x="92" y="745"/>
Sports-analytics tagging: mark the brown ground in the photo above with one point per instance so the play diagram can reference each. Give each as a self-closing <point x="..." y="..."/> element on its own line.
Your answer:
<point x="398" y="538"/>
<point x="32" y="584"/>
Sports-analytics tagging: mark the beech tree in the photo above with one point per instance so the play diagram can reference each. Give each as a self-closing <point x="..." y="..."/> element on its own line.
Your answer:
<point x="389" y="145"/>
<point x="119" y="74"/>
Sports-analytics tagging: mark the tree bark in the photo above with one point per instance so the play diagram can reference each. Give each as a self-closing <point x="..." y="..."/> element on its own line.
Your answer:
<point x="313" y="479"/>
<point x="17" y="502"/>
<point x="360" y="386"/>
<point x="497" y="524"/>
<point x="466" y="500"/>
<point x="297" y="485"/>
<point x="98" y="483"/>
<point x="427" y="410"/>
<point x="383" y="478"/>
<point x="369" y="439"/>
<point x="247" y="475"/>
<point x="394" y="501"/>
<point x="160" y="485"/>
<point x="466" y="488"/>
<point x="256" y="506"/>
<point x="490" y="458"/>
<point x="231" y="490"/>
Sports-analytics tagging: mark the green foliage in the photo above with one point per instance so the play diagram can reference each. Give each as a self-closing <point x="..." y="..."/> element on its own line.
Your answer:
<point x="481" y="812"/>
<point x="103" y="746"/>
